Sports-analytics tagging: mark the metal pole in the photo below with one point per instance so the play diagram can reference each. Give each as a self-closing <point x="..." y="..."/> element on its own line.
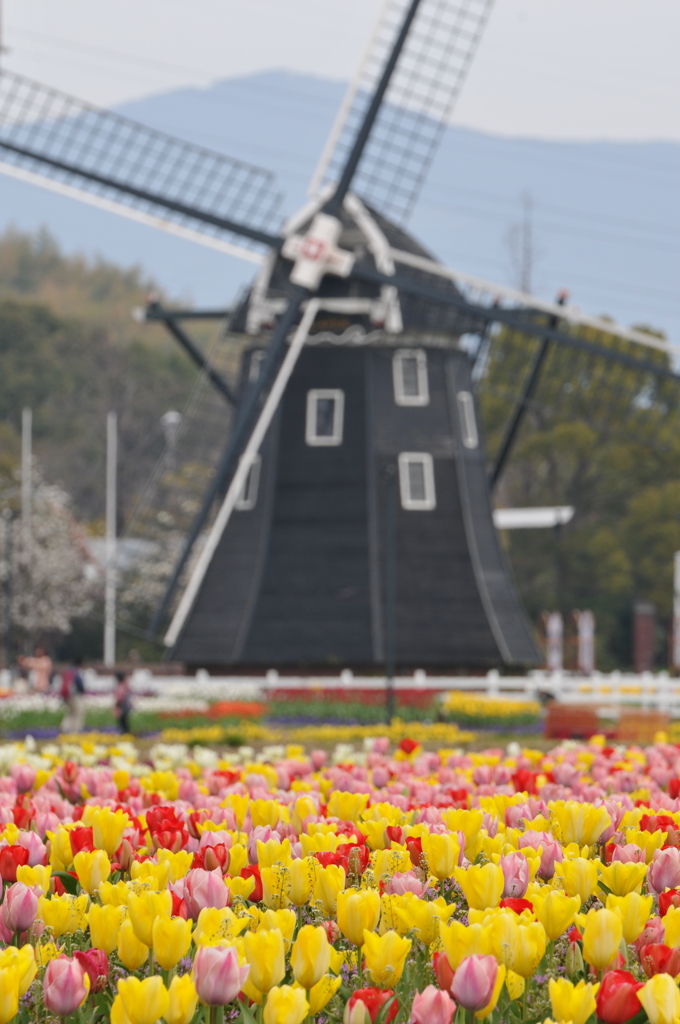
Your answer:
<point x="390" y="589"/>
<point x="9" y="556"/>
<point x="26" y="475"/>
<point x="110" y="572"/>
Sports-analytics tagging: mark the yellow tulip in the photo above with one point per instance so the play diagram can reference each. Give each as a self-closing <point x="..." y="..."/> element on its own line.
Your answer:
<point x="671" y="923"/>
<point x="579" y="877"/>
<point x="92" y="869"/>
<point x="23" y="960"/>
<point x="634" y="911"/>
<point x="571" y="1002"/>
<point x="286" y="1005"/>
<point x="180" y="862"/>
<point x="580" y="823"/>
<point x="114" y="895"/>
<point x="442" y="852"/>
<point x="328" y="883"/>
<point x="266" y="812"/>
<point x="275" y="886"/>
<point x="322" y="993"/>
<point x="285" y="920"/>
<point x="131" y="952"/>
<point x="385" y="956"/>
<point x="61" y="854"/>
<point x="661" y="999"/>
<point x="482" y="885"/>
<point x="144" y="1001"/>
<point x="303" y="808"/>
<point x="144" y="908"/>
<point x="301" y="873"/>
<point x="215" y="924"/>
<point x="346" y="806"/>
<point x="515" y="985"/>
<point x="556" y="911"/>
<point x="386" y="862"/>
<point x="159" y="874"/>
<point x="171" y="940"/>
<point x="520" y="947"/>
<point x="424" y="917"/>
<point x="602" y="935"/>
<point x="273" y="852"/>
<point x="107" y="829"/>
<point x="650" y="842"/>
<point x="358" y="910"/>
<point x="63" y="915"/>
<point x="105" y="924"/>
<point x="460" y="941"/>
<point x="623" y="878"/>
<point x="39" y="875"/>
<point x="376" y="836"/>
<point x="182" y="1000"/>
<point x="265" y="951"/>
<point x="310" y="956"/>
<point x="9" y="994"/>
<point x="238" y="859"/>
<point x="241" y="888"/>
<point x="469" y="822"/>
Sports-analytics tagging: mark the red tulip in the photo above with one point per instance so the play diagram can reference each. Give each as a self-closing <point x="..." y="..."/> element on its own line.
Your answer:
<point x="368" y="1002"/>
<point x="524" y="781"/>
<point x="518" y="905"/>
<point x="617" y="999"/>
<point x="253" y="871"/>
<point x="407" y="746"/>
<point x="81" y="840"/>
<point x="395" y="834"/>
<point x="95" y="963"/>
<point x="414" y="845"/>
<point x="670" y="898"/>
<point x="674" y="788"/>
<point x="443" y="971"/>
<point x="11" y="857"/>
<point x="655" y="958"/>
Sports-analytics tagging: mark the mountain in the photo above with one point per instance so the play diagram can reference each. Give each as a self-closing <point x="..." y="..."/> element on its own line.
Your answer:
<point x="606" y="216"/>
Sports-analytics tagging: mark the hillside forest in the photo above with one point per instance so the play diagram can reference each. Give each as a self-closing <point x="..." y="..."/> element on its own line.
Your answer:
<point x="597" y="436"/>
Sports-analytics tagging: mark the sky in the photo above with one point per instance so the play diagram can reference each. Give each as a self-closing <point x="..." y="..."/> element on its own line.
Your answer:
<point x="547" y="69"/>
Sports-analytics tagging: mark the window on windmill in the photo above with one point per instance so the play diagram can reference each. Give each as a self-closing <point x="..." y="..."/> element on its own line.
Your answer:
<point x="247" y="499"/>
<point x="325" y="412"/>
<point x="409" y="372"/>
<point x="416" y="481"/>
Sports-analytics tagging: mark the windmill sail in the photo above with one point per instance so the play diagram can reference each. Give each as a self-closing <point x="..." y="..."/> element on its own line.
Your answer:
<point x="61" y="143"/>
<point x="418" y="104"/>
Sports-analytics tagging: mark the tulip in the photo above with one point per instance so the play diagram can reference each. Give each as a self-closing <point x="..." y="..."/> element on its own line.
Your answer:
<point x="661" y="999"/>
<point x="579" y="877"/>
<point x="286" y="1005"/>
<point x="474" y="982"/>
<point x="171" y="940"/>
<point x="20" y="907"/>
<point x="571" y="1002"/>
<point x="482" y="885"/>
<point x="657" y="958"/>
<point x="144" y="908"/>
<point x="346" y="806"/>
<point x="460" y="941"/>
<point x="358" y="910"/>
<point x="623" y="878"/>
<point x="107" y="829"/>
<point x="328" y="883"/>
<point x="92" y="869"/>
<point x="131" y="952"/>
<point x="580" y="822"/>
<point x="634" y="911"/>
<point x="95" y="963"/>
<point x="664" y="871"/>
<point x="556" y="911"/>
<point x="519" y="947"/>
<point x="9" y="993"/>
<point x="432" y="1006"/>
<point x="216" y="924"/>
<point x="667" y="900"/>
<point x="275" y="886"/>
<point x="264" y="951"/>
<point x="65" y="986"/>
<point x="364" y="1005"/>
<point x="217" y="975"/>
<point x="63" y="915"/>
<point x="11" y="857"/>
<point x="284" y="920"/>
<point x="385" y="956"/>
<point x="31" y="876"/>
<point x="601" y="937"/>
<point x="144" y="1001"/>
<point x="424" y="917"/>
<point x="105" y="925"/>
<point x="204" y="889"/>
<point x="182" y="999"/>
<point x="442" y="853"/>
<point x="443" y="971"/>
<point x="515" y="868"/>
<point x="321" y="994"/>
<point x="301" y="873"/>
<point x="24" y="960"/>
<point x="311" y="955"/>
<point x="617" y="999"/>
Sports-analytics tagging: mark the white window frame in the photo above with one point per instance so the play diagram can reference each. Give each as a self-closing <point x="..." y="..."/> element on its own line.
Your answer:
<point x="468" y="421"/>
<point x="427" y="503"/>
<point x="420" y="356"/>
<point x="247" y="499"/>
<point x="334" y="439"/>
<point x="257" y="357"/>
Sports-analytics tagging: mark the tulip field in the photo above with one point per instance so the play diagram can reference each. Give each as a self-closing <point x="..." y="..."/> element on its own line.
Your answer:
<point x="183" y="884"/>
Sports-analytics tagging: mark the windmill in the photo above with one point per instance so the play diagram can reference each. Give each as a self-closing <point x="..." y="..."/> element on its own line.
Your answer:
<point x="348" y="518"/>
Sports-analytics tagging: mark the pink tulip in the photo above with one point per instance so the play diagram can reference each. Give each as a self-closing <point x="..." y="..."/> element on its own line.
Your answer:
<point x="664" y="871"/>
<point x="405" y="881"/>
<point x="204" y="889"/>
<point x="37" y="851"/>
<point x="217" y="975"/>
<point x="628" y="854"/>
<point x="20" y="908"/>
<point x="24" y="776"/>
<point x="654" y="932"/>
<point x="95" y="963"/>
<point x="474" y="981"/>
<point x="432" y="1006"/>
<point x="515" y="869"/>
<point x="64" y="986"/>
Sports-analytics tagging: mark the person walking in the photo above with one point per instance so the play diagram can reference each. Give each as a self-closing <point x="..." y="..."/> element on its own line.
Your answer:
<point x="123" y="699"/>
<point x="72" y="693"/>
<point x="41" y="666"/>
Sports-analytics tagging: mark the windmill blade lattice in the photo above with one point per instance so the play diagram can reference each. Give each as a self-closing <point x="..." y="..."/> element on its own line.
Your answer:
<point x="103" y="156"/>
<point x="418" y="105"/>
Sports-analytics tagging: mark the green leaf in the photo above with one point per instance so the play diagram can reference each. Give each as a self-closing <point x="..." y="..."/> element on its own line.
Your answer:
<point x="71" y="884"/>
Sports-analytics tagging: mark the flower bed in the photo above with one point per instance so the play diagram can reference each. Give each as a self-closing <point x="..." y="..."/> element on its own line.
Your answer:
<point x="372" y="885"/>
<point x="478" y="710"/>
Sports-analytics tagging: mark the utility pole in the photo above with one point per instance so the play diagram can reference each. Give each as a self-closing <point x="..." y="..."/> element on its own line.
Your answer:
<point x="26" y="476"/>
<point x="110" y="570"/>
